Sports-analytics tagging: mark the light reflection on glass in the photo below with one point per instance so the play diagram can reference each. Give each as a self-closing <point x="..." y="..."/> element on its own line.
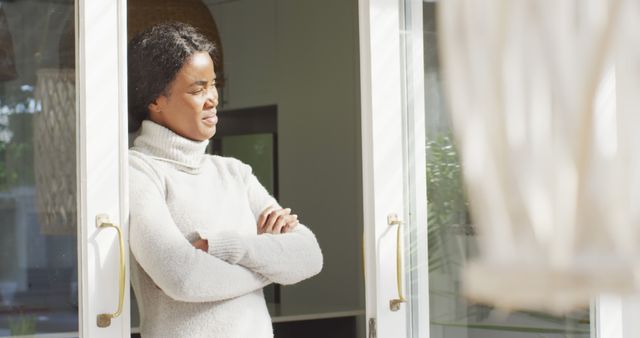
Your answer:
<point x="38" y="260"/>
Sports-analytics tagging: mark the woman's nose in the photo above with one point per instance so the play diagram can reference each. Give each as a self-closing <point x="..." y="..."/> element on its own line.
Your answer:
<point x="212" y="96"/>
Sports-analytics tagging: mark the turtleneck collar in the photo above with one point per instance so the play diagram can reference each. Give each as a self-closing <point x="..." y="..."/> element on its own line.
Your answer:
<point x="163" y="144"/>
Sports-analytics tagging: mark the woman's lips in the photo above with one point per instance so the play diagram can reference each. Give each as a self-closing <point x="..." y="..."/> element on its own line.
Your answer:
<point x="211" y="120"/>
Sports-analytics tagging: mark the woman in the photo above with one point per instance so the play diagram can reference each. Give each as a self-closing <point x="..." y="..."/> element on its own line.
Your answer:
<point x="205" y="235"/>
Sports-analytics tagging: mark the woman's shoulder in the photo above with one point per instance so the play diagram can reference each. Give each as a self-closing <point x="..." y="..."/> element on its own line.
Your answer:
<point x="141" y="164"/>
<point x="139" y="160"/>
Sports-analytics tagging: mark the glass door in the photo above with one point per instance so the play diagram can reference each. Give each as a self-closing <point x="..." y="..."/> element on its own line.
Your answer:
<point x="61" y="164"/>
<point x="38" y="237"/>
<point x="451" y="232"/>
<point x="408" y="143"/>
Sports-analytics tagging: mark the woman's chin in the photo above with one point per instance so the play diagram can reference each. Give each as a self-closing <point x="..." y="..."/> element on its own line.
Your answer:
<point x="210" y="132"/>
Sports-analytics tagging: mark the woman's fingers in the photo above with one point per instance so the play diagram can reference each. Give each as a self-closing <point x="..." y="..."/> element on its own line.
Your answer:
<point x="263" y="217"/>
<point x="275" y="221"/>
<point x="280" y="223"/>
<point x="292" y="219"/>
<point x="291" y="223"/>
<point x="273" y="218"/>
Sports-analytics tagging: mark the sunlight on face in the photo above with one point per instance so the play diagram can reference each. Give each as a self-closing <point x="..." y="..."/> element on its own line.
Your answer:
<point x="189" y="107"/>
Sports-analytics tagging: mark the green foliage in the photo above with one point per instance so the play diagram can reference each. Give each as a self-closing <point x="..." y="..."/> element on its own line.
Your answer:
<point x="22" y="325"/>
<point x="449" y="219"/>
<point x="16" y="149"/>
<point x="13" y="154"/>
<point x="446" y="202"/>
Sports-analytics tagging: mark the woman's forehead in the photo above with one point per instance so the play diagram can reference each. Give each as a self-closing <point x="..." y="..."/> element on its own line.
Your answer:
<point x="201" y="59"/>
<point x="198" y="68"/>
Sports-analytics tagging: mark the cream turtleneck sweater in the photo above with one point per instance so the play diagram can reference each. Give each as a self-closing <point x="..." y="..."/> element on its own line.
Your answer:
<point x="179" y="194"/>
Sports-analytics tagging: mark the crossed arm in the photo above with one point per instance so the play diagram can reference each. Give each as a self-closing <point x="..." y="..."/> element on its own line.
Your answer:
<point x="286" y="257"/>
<point x="232" y="266"/>
<point x="166" y="255"/>
<point x="273" y="220"/>
<point x="284" y="251"/>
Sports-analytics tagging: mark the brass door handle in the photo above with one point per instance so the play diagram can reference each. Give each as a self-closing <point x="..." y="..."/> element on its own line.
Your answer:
<point x="394" y="304"/>
<point x="104" y="319"/>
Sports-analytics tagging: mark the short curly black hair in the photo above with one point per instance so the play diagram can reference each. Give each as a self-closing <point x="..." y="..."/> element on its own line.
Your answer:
<point x="154" y="58"/>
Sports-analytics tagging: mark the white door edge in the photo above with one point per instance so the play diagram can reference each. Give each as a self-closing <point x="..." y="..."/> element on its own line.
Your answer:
<point x="416" y="186"/>
<point x="382" y="156"/>
<point x="101" y="149"/>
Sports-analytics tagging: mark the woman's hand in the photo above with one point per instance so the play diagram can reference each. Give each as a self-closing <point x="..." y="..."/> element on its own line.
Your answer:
<point x="274" y="220"/>
<point x="201" y="244"/>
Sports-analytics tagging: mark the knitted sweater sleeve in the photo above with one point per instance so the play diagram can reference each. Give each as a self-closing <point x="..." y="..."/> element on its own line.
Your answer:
<point x="183" y="272"/>
<point x="283" y="258"/>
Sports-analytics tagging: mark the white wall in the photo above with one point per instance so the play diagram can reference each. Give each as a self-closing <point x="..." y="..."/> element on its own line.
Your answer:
<point x="303" y="56"/>
<point x="320" y="167"/>
<point x="248" y="33"/>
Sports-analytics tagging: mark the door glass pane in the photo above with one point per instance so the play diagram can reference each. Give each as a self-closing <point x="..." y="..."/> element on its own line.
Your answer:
<point x="38" y="259"/>
<point x="451" y="234"/>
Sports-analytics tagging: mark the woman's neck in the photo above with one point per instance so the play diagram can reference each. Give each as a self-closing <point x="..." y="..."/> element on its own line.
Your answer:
<point x="160" y="142"/>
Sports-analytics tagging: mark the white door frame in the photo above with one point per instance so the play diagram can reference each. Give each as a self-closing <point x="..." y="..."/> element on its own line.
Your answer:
<point x="101" y="92"/>
<point x="415" y="180"/>
<point x="615" y="316"/>
<point x="382" y="160"/>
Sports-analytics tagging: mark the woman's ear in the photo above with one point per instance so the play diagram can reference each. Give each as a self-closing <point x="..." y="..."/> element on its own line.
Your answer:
<point x="155" y="106"/>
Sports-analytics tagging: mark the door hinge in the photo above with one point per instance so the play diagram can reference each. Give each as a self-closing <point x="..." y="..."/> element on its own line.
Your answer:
<point x="372" y="328"/>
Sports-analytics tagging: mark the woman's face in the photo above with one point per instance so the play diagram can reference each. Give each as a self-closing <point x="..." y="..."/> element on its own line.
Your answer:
<point x="189" y="108"/>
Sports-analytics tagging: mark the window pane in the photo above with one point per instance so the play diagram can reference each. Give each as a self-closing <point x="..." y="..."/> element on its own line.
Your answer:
<point x="451" y="234"/>
<point x="38" y="261"/>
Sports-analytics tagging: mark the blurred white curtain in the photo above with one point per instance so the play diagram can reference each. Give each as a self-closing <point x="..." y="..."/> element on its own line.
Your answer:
<point x="545" y="104"/>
